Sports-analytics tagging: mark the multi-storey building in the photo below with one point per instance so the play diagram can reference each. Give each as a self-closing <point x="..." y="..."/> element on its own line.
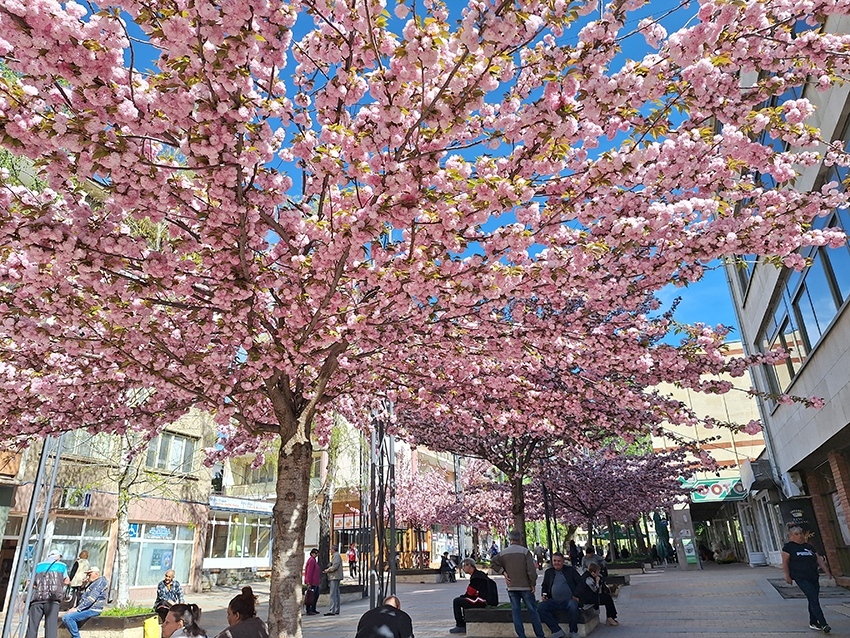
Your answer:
<point x="806" y="313"/>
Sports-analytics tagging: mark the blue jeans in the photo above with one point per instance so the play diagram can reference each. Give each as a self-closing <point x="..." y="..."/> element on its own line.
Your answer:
<point x="73" y="619"/>
<point x="525" y="596"/>
<point x="548" y="608"/>
<point x="811" y="588"/>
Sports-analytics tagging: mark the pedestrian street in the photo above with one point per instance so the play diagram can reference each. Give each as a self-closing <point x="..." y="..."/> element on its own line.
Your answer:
<point x="721" y="600"/>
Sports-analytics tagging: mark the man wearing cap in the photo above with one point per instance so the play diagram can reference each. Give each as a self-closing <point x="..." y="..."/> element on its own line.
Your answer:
<point x="91" y="602"/>
<point x="48" y="588"/>
<point x="517" y="564"/>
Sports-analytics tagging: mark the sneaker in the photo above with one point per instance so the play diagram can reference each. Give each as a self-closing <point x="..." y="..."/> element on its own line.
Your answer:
<point x="826" y="629"/>
<point x="457" y="630"/>
<point x="558" y="634"/>
<point x="815" y="626"/>
<point x="612" y="621"/>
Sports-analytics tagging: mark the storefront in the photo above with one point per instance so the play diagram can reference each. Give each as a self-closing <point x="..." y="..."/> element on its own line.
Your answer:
<point x="155" y="548"/>
<point x="239" y="538"/>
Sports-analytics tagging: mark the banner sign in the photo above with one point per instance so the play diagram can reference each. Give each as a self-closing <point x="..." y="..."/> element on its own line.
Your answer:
<point x="721" y="489"/>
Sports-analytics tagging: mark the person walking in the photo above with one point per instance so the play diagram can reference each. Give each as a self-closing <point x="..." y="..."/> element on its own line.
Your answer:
<point x="559" y="592"/>
<point x="78" y="577"/>
<point x="575" y="554"/>
<point x="800" y="561"/>
<point x="91" y="601"/>
<point x="312" y="578"/>
<point x="48" y="590"/>
<point x="385" y="621"/>
<point x="352" y="560"/>
<point x="517" y="564"/>
<point x="334" y="572"/>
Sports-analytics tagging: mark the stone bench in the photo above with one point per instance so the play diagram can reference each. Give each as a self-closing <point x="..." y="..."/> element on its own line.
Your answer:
<point x="419" y="576"/>
<point x="498" y="623"/>
<point x="347" y="594"/>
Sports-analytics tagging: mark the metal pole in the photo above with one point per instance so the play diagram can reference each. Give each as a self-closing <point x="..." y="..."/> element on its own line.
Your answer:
<point x="548" y="518"/>
<point x="35" y="526"/>
<point x="393" y="537"/>
<point x="373" y="518"/>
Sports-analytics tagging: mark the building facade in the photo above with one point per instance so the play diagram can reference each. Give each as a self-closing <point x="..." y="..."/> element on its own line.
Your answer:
<point x="806" y="313"/>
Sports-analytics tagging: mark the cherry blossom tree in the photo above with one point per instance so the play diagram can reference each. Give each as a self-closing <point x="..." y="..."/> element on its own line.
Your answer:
<point x="324" y="202"/>
<point x="590" y="487"/>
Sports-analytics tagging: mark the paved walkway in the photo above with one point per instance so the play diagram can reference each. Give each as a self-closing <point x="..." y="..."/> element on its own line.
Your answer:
<point x="721" y="600"/>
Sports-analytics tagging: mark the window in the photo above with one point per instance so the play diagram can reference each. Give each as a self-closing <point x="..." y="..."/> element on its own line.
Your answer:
<point x="73" y="535"/>
<point x="172" y="453"/>
<point x="83" y="443"/>
<point x="239" y="536"/>
<point x="156" y="548"/>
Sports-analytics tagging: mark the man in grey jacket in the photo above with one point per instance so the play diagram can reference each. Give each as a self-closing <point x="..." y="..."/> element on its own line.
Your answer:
<point x="334" y="572"/>
<point x="517" y="564"/>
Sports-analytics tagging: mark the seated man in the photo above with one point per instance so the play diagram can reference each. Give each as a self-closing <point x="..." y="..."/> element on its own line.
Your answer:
<point x="475" y="596"/>
<point x="560" y="591"/>
<point x="592" y="591"/>
<point x="386" y="621"/>
<point x="91" y="601"/>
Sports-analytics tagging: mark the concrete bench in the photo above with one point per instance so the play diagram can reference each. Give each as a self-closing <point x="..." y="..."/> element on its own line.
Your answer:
<point x="347" y="594"/>
<point x="419" y="576"/>
<point x="499" y="623"/>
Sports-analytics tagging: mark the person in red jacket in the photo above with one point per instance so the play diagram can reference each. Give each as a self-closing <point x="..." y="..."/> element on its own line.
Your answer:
<point x="312" y="578"/>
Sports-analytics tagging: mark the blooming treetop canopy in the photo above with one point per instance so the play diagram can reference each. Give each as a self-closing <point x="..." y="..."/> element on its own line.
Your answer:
<point x="589" y="487"/>
<point x="240" y="218"/>
<point x="257" y="288"/>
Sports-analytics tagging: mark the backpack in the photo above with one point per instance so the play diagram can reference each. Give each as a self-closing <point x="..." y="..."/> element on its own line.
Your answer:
<point x="49" y="585"/>
<point x="492" y="596"/>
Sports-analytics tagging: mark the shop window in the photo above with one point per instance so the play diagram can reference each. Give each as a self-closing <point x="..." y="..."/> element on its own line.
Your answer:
<point x="172" y="453"/>
<point x="156" y="548"/>
<point x="238" y="536"/>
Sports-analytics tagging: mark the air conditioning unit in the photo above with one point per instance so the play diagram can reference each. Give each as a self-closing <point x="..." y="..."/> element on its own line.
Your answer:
<point x="73" y="498"/>
<point x="792" y="485"/>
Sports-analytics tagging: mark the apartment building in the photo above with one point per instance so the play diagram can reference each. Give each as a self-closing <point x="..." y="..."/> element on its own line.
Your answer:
<point x="806" y="313"/>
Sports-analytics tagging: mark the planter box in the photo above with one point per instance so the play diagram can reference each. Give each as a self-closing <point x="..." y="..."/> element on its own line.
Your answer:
<point x="498" y="623"/>
<point x="111" y="627"/>
<point x="347" y="594"/>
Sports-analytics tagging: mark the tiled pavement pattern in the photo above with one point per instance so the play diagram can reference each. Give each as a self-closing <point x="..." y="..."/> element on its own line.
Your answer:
<point x="721" y="600"/>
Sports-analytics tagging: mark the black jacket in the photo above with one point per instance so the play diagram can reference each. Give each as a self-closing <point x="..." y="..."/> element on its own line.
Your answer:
<point x="385" y="622"/>
<point x="588" y="591"/>
<point x="573" y="580"/>
<point x="478" y="582"/>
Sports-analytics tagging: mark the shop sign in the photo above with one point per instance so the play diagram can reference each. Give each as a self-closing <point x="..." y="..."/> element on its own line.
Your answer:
<point x="228" y="503"/>
<point x="160" y="532"/>
<point x="715" y="490"/>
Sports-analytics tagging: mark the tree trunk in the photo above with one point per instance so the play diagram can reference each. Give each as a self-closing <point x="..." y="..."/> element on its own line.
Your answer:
<point x="125" y="480"/>
<point x="290" y="520"/>
<point x="641" y="541"/>
<point x="612" y="540"/>
<point x="518" y="505"/>
<point x="590" y="531"/>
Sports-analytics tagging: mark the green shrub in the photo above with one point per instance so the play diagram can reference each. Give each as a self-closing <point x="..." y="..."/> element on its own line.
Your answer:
<point x="123" y="612"/>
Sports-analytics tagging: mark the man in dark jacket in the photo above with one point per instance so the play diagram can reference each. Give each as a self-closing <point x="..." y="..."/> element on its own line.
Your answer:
<point x="560" y="589"/>
<point x="475" y="596"/>
<point x="386" y="621"/>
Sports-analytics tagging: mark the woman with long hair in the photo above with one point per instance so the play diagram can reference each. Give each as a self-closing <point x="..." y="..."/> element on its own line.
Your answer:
<point x="242" y="617"/>
<point x="181" y="621"/>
